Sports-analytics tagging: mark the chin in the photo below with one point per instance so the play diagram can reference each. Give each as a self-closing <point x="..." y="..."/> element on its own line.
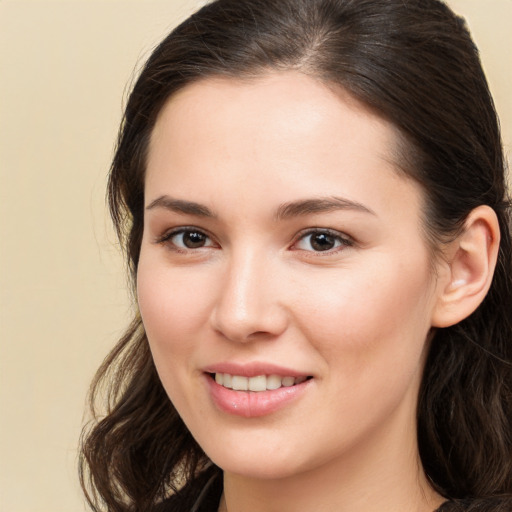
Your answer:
<point x="259" y="463"/>
<point x="259" y="470"/>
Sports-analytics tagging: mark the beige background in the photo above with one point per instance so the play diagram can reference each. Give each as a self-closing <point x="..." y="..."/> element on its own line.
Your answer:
<point x="64" y="66"/>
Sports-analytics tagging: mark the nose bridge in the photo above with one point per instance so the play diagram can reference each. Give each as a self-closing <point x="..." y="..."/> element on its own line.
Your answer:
<point x="248" y="303"/>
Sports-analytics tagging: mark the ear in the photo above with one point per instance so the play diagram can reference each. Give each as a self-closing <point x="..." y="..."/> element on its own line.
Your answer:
<point x="470" y="262"/>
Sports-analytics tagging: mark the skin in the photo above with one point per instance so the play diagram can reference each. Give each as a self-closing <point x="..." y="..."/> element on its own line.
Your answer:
<point x="355" y="317"/>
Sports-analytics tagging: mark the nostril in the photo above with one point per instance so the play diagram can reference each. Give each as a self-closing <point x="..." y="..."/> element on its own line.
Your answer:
<point x="259" y="335"/>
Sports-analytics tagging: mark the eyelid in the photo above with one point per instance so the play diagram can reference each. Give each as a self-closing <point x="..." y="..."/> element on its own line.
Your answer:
<point x="167" y="235"/>
<point x="344" y="239"/>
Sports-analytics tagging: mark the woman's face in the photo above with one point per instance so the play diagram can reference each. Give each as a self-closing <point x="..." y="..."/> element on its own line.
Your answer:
<point x="283" y="256"/>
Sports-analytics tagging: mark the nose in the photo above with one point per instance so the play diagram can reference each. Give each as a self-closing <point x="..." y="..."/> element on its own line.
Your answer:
<point x="248" y="305"/>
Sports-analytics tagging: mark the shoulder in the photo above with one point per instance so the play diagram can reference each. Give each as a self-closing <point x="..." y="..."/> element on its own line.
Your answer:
<point x="492" y="504"/>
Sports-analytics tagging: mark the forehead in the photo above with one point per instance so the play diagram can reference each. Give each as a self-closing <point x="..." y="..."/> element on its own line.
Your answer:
<point x="288" y="103"/>
<point x="280" y="135"/>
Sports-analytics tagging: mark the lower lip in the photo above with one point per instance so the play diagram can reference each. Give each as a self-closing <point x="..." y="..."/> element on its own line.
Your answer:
<point x="253" y="404"/>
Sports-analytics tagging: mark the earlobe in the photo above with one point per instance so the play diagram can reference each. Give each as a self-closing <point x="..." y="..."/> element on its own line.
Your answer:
<point x="470" y="267"/>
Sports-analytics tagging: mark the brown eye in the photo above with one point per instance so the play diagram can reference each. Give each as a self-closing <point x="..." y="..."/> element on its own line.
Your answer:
<point x="193" y="239"/>
<point x="322" y="241"/>
<point x="189" y="239"/>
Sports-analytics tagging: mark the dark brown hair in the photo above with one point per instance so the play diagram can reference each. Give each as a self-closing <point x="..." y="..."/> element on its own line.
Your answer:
<point x="413" y="63"/>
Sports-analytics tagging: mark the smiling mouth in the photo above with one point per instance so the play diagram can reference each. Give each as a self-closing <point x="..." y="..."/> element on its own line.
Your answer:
<point x="257" y="383"/>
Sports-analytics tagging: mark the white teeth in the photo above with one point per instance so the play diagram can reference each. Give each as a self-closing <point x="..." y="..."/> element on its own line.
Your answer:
<point x="240" y="383"/>
<point x="227" y="381"/>
<point x="288" y="381"/>
<point x="273" y="382"/>
<point x="258" y="383"/>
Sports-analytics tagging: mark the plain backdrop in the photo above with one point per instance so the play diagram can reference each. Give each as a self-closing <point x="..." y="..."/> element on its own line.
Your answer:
<point x="65" y="67"/>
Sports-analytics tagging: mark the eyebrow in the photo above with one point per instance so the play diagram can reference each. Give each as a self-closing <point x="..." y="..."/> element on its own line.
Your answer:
<point x="319" y="205"/>
<point x="297" y="208"/>
<point x="181" y="206"/>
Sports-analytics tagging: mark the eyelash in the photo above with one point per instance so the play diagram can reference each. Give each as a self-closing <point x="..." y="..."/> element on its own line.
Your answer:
<point x="166" y="238"/>
<point x="341" y="241"/>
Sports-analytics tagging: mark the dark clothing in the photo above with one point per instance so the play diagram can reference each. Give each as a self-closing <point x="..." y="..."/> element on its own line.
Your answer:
<point x="202" y="495"/>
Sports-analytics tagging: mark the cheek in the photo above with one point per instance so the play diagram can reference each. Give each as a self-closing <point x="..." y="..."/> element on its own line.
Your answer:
<point x="371" y="334"/>
<point x="171" y="309"/>
<point x="172" y="314"/>
<point x="370" y="320"/>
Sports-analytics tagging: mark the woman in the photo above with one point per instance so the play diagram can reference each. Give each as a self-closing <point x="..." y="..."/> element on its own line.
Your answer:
<point x="312" y="198"/>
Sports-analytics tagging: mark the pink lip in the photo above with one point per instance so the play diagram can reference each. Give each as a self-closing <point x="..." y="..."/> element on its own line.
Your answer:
<point x="253" y="369"/>
<point x="251" y="404"/>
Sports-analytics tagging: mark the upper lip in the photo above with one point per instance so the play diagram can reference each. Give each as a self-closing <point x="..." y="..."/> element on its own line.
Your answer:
<point x="253" y="369"/>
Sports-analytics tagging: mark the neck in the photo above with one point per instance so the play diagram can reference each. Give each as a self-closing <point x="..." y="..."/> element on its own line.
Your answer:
<point x="358" y="489"/>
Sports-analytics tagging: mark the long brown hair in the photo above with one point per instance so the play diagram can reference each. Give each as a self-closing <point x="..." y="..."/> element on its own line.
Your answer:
<point x="412" y="62"/>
